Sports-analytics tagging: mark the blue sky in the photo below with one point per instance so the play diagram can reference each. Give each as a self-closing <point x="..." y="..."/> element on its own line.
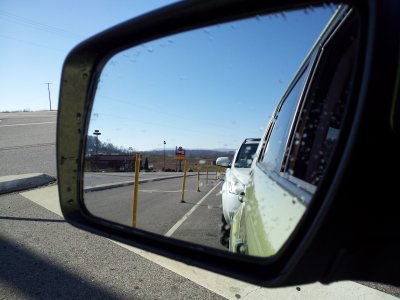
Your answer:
<point x="36" y="36"/>
<point x="208" y="88"/>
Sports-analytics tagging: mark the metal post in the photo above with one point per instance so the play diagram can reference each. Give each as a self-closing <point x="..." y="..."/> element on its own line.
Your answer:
<point x="198" y="177"/>
<point x="130" y="164"/>
<point x="48" y="88"/>
<point x="135" y="190"/>
<point x="97" y="133"/>
<point x="184" y="182"/>
<point x="206" y="174"/>
<point x="164" y="155"/>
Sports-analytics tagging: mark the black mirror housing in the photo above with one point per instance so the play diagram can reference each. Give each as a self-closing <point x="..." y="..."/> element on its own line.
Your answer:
<point x="348" y="232"/>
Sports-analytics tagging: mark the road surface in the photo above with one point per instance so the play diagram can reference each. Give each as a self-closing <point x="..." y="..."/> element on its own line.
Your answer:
<point x="28" y="143"/>
<point x="43" y="257"/>
<point x="161" y="211"/>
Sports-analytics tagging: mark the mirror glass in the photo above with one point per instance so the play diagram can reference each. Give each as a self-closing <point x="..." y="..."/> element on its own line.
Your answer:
<point x="166" y="110"/>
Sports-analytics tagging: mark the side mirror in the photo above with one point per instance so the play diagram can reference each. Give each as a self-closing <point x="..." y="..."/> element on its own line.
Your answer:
<point x="241" y="197"/>
<point x="316" y="69"/>
<point x="223" y="162"/>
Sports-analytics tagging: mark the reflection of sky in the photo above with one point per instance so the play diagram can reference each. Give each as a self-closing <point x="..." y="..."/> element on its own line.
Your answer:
<point x="205" y="89"/>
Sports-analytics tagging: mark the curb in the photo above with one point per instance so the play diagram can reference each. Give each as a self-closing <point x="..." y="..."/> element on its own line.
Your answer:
<point x="15" y="183"/>
<point x="109" y="186"/>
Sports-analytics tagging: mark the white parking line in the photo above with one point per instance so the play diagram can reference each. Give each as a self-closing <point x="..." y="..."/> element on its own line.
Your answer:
<point x="159" y="191"/>
<point x="28" y="124"/>
<point x="183" y="219"/>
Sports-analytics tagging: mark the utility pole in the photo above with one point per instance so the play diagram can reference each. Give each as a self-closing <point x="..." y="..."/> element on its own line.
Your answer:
<point x="48" y="88"/>
<point x="164" y="154"/>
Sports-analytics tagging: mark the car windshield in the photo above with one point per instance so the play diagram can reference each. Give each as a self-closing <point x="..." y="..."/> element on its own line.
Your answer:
<point x="245" y="156"/>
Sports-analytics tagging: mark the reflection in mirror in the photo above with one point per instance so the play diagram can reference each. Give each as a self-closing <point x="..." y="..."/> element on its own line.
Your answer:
<point x="164" y="111"/>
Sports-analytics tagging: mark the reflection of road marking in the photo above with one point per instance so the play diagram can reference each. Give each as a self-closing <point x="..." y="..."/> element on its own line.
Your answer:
<point x="107" y="186"/>
<point x="180" y="222"/>
<point x="27" y="124"/>
<point x="158" y="191"/>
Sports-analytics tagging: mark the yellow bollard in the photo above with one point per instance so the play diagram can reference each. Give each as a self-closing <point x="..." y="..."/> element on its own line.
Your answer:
<point x="184" y="182"/>
<point x="216" y="173"/>
<point x="135" y="190"/>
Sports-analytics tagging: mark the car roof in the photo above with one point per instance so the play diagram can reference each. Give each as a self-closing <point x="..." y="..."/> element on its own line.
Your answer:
<point x="251" y="140"/>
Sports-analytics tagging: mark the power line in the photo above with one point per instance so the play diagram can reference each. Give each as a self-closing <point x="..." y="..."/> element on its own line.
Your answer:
<point x="37" y="25"/>
<point x="30" y="43"/>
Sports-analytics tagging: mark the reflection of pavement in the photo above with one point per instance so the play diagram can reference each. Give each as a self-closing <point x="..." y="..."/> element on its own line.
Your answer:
<point x="161" y="211"/>
<point x="114" y="180"/>
<point x="99" y="181"/>
<point x="96" y="178"/>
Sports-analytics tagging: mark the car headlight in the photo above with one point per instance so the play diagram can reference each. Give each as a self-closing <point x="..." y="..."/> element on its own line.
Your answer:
<point x="235" y="187"/>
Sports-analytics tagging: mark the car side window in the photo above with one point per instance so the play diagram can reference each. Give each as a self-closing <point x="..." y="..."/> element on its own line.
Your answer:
<point x="275" y="143"/>
<point x="246" y="155"/>
<point x="319" y="121"/>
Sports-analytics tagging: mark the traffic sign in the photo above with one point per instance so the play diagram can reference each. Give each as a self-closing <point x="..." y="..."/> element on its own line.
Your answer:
<point x="180" y="153"/>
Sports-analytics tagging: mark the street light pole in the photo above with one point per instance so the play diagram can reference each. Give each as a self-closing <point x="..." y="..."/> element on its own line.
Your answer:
<point x="97" y="133"/>
<point x="130" y="150"/>
<point x="164" y="154"/>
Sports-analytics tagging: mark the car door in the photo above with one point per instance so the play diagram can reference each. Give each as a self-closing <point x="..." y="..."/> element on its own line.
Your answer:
<point x="298" y="146"/>
<point x="252" y="237"/>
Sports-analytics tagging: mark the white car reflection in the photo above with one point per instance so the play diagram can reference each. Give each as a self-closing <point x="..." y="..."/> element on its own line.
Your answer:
<point x="236" y="177"/>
